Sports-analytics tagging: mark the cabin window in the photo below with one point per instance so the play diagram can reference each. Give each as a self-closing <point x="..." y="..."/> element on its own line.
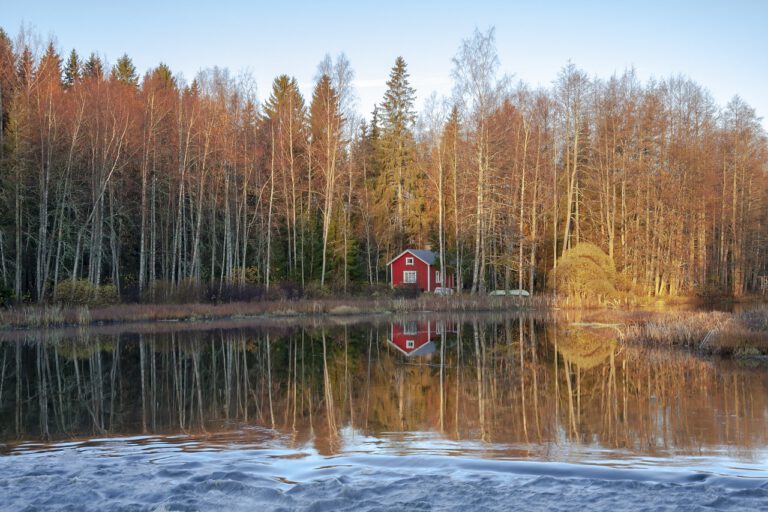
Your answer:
<point x="410" y="343"/>
<point x="437" y="276"/>
<point x="409" y="276"/>
<point x="409" y="261"/>
<point x="410" y="328"/>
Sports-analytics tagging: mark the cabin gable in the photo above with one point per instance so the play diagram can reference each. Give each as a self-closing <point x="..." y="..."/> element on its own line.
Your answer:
<point x="417" y="268"/>
<point x="408" y="269"/>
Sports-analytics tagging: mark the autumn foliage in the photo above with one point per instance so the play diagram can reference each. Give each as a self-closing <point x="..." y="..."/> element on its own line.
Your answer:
<point x="587" y="273"/>
<point x="153" y="184"/>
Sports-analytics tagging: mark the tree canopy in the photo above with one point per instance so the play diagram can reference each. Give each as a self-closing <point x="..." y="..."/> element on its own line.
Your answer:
<point x="174" y="189"/>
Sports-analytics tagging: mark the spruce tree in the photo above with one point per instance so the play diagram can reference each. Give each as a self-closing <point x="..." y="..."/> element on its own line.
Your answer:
<point x="286" y="114"/>
<point x="286" y="97"/>
<point x="7" y="83"/>
<point x="398" y="112"/>
<point x="93" y="68"/>
<point x="50" y="64"/>
<point x="72" y="70"/>
<point x="326" y="127"/>
<point x="374" y="130"/>
<point x="163" y="73"/>
<point x="397" y="150"/>
<point x="26" y="66"/>
<point x="124" y="71"/>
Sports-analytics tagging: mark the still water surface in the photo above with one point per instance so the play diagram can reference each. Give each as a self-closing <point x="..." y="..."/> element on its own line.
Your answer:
<point x="422" y="413"/>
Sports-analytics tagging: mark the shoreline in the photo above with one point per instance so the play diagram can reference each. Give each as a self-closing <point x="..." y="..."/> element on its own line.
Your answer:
<point x="35" y="316"/>
<point x="678" y="326"/>
<point x="281" y="324"/>
<point x="46" y="317"/>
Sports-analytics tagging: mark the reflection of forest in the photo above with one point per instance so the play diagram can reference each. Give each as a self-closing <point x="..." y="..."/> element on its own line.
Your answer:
<point x="513" y="381"/>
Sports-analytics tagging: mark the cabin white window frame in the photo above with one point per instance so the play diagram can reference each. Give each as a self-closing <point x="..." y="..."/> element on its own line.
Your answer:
<point x="437" y="277"/>
<point x="410" y="343"/>
<point x="410" y="328"/>
<point x="409" y="277"/>
<point x="409" y="261"/>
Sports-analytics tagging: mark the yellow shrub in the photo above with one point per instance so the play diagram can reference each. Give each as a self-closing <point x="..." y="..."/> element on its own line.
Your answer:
<point x="585" y="271"/>
<point x="82" y="292"/>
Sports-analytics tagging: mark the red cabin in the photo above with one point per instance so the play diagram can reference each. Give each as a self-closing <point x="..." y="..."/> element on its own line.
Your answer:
<point x="418" y="268"/>
<point x="414" y="338"/>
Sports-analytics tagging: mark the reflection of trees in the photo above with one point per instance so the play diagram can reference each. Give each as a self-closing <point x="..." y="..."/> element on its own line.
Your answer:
<point x="585" y="347"/>
<point x="581" y="349"/>
<point x="512" y="381"/>
<point x="150" y="383"/>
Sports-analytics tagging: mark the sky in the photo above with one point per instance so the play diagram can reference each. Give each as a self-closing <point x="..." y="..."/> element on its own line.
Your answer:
<point x="722" y="45"/>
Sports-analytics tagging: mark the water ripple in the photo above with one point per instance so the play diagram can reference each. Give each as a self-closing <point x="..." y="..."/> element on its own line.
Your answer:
<point x="154" y="473"/>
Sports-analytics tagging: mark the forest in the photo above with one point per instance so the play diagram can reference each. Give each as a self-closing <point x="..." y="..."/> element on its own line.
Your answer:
<point x="147" y="185"/>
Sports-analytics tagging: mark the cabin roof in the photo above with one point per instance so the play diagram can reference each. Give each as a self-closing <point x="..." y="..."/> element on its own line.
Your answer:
<point x="425" y="349"/>
<point x="422" y="350"/>
<point x="428" y="257"/>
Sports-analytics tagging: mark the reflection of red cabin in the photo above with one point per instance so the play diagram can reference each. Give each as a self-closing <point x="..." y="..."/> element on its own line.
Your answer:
<point x="415" y="338"/>
<point x="419" y="268"/>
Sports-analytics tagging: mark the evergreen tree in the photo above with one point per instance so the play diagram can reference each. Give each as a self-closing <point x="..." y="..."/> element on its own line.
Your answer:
<point x="163" y="73"/>
<point x="326" y="125"/>
<point x="124" y="71"/>
<point x="397" y="150"/>
<point x="193" y="90"/>
<point x="72" y="70"/>
<point x="26" y="67"/>
<point x="372" y="142"/>
<point x="451" y="142"/>
<point x="286" y="114"/>
<point x="7" y="84"/>
<point x="374" y="132"/>
<point x="93" y="68"/>
<point x="285" y="89"/>
<point x="399" y="114"/>
<point x="50" y="65"/>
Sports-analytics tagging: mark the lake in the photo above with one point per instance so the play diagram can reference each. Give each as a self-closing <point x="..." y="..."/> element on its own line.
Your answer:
<point x="483" y="412"/>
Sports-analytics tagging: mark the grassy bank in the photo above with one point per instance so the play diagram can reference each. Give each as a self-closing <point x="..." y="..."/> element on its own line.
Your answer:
<point x="58" y="316"/>
<point x="713" y="333"/>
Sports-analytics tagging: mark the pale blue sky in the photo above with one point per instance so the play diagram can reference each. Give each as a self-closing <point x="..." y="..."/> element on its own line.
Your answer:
<point x="722" y="45"/>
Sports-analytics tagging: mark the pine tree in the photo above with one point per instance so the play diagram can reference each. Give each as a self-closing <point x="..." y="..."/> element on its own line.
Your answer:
<point x="396" y="149"/>
<point x="451" y="134"/>
<point x="50" y="65"/>
<point x="124" y="71"/>
<point x="93" y="68"/>
<point x="373" y="138"/>
<point x="286" y="113"/>
<point x="72" y="70"/>
<point x="26" y="67"/>
<point x="7" y="84"/>
<point x="326" y="123"/>
<point x="163" y="73"/>
<point x="284" y="88"/>
<point x="399" y="114"/>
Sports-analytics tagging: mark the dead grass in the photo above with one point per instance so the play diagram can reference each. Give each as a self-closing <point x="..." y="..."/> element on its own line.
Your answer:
<point x="40" y="317"/>
<point x="715" y="333"/>
<point x="55" y="316"/>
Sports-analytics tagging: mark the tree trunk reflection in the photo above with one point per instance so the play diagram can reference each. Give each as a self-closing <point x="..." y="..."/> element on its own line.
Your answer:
<point x="528" y="383"/>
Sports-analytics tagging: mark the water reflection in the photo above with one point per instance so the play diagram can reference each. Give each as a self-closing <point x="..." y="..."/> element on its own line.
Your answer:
<point x="516" y="382"/>
<point x="416" y="338"/>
